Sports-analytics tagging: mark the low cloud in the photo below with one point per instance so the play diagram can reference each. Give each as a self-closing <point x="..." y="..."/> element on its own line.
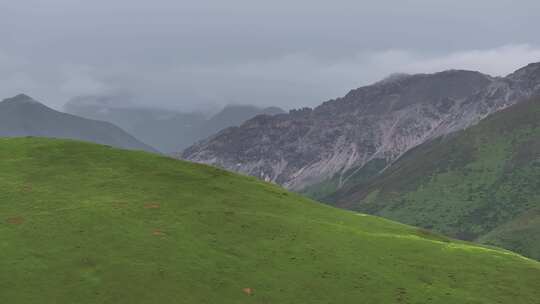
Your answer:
<point x="80" y="80"/>
<point x="497" y="62"/>
<point x="294" y="80"/>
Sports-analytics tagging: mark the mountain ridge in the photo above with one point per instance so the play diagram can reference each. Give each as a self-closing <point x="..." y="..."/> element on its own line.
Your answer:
<point x="479" y="184"/>
<point x="21" y="115"/>
<point x="379" y="122"/>
<point x="167" y="130"/>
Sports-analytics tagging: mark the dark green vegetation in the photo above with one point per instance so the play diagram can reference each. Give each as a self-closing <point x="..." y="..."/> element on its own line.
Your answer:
<point x="82" y="223"/>
<point x="481" y="184"/>
<point x="353" y="177"/>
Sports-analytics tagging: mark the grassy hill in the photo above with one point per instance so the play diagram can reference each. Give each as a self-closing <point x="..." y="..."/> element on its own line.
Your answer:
<point x="481" y="184"/>
<point x="83" y="223"/>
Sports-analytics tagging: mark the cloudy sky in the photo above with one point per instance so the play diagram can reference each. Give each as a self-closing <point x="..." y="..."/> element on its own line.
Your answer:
<point x="189" y="54"/>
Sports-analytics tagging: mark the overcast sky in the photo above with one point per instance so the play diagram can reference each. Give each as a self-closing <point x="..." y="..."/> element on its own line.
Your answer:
<point x="289" y="53"/>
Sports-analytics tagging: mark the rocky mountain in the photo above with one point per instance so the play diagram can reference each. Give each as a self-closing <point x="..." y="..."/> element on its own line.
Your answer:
<point x="480" y="184"/>
<point x="373" y="125"/>
<point x="234" y="115"/>
<point x="23" y="116"/>
<point x="179" y="131"/>
<point x="167" y="130"/>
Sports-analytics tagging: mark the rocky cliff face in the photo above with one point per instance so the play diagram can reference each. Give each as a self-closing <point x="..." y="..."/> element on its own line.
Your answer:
<point x="380" y="121"/>
<point x="500" y="94"/>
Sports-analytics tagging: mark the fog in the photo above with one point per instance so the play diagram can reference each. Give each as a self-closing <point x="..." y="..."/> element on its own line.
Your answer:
<point x="194" y="54"/>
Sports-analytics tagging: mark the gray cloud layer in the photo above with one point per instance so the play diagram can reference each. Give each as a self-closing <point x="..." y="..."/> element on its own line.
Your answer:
<point x="188" y="54"/>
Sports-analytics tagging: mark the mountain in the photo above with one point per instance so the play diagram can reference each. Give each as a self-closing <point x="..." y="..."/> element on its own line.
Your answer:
<point x="116" y="109"/>
<point x="234" y="115"/>
<point x="481" y="184"/>
<point x="167" y="130"/>
<point x="170" y="133"/>
<point x="23" y="116"/>
<point x="82" y="223"/>
<point x="362" y="133"/>
<point x="175" y="133"/>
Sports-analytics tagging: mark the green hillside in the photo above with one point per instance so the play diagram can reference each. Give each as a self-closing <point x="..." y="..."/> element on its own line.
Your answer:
<point x="481" y="184"/>
<point x="82" y="223"/>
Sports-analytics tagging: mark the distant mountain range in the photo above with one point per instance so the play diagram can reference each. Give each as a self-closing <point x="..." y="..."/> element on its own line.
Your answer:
<point x="24" y="116"/>
<point x="481" y="184"/>
<point x="167" y="130"/>
<point x="320" y="150"/>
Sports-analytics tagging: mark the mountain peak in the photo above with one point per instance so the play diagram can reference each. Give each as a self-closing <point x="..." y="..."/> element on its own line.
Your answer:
<point x="21" y="115"/>
<point x="21" y="99"/>
<point x="378" y="122"/>
<point x="530" y="66"/>
<point x="528" y="71"/>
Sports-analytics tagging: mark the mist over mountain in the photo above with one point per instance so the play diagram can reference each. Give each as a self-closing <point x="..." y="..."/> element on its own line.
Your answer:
<point x="23" y="116"/>
<point x="214" y="52"/>
<point x="165" y="129"/>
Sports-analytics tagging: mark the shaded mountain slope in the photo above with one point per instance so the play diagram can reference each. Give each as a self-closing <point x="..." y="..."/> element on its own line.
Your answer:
<point x="480" y="184"/>
<point x="167" y="130"/>
<point x="23" y="116"/>
<point x="82" y="223"/>
<point x="177" y="132"/>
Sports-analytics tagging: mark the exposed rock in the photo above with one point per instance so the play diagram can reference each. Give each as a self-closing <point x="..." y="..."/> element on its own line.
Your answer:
<point x="379" y="121"/>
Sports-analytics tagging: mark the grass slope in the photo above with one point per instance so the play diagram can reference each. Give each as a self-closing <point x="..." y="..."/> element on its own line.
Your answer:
<point x="82" y="223"/>
<point x="481" y="184"/>
<point x="352" y="178"/>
